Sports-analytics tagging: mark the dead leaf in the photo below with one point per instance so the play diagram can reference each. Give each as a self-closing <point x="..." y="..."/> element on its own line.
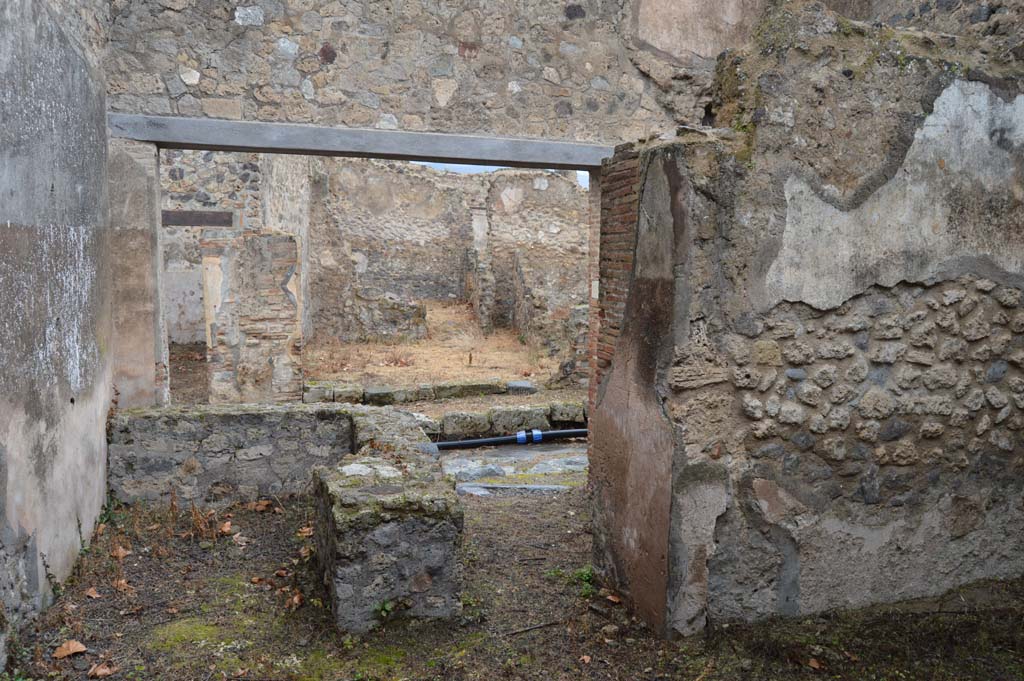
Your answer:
<point x="613" y="598"/>
<point x="91" y="592"/>
<point x="259" y="506"/>
<point x="123" y="586"/>
<point x="68" y="648"/>
<point x="851" y="656"/>
<point x="172" y="611"/>
<point x="225" y="528"/>
<point x="102" y="670"/>
<point x="154" y="526"/>
<point x="281" y="573"/>
<point x="585" y="659"/>
<point x="306" y="532"/>
<point x="119" y="553"/>
<point x="256" y="580"/>
<point x="305" y="552"/>
<point x="278" y="509"/>
<point x="100" y="529"/>
<point x="813" y="663"/>
<point x="295" y="601"/>
<point x="240" y="540"/>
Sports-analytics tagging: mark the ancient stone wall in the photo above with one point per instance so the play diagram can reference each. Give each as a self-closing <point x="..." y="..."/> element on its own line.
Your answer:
<point x="813" y="398"/>
<point x="391" y="227"/>
<point x="538" y="241"/>
<point x="200" y="180"/>
<point x="286" y="196"/>
<point x="217" y="455"/>
<point x="55" y="287"/>
<point x="389" y="234"/>
<point x="252" y="295"/>
<point x="586" y="71"/>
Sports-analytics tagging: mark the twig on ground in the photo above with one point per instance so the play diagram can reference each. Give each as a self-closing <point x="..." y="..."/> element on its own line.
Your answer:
<point x="534" y="627"/>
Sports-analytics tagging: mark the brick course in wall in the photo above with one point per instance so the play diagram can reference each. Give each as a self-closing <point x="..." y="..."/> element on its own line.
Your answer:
<point x="619" y="187"/>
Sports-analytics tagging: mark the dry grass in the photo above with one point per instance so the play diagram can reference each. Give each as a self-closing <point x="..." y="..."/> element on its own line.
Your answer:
<point x="455" y="349"/>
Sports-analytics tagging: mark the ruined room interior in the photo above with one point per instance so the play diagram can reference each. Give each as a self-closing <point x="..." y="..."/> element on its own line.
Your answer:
<point x="590" y="340"/>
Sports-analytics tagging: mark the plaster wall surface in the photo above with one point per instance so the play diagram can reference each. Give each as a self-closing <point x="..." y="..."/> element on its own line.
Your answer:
<point x="140" y="346"/>
<point x="55" y="334"/>
<point x="839" y="443"/>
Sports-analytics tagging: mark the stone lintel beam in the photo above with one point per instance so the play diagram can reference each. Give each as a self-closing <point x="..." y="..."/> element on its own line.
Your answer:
<point x="174" y="132"/>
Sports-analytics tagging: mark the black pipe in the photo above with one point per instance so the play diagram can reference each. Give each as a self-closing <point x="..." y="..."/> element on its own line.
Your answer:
<point x="523" y="437"/>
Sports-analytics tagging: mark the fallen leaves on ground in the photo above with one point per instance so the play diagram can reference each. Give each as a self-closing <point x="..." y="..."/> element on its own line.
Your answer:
<point x="225" y="528"/>
<point x="258" y="506"/>
<point x="306" y="532"/>
<point x="91" y="592"/>
<point x="120" y="553"/>
<point x="240" y="540"/>
<point x="102" y="670"/>
<point x="68" y="648"/>
<point x="294" y="601"/>
<point x="123" y="586"/>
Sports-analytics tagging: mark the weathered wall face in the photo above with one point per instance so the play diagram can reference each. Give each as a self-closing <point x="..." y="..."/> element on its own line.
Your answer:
<point x="850" y="440"/>
<point x="536" y="69"/>
<point x="286" y="209"/>
<point x="55" y="337"/>
<point x="200" y="180"/>
<point x="538" y="241"/>
<point x="140" y="346"/>
<point x="386" y="235"/>
<point x="394" y="228"/>
<point x="251" y="294"/>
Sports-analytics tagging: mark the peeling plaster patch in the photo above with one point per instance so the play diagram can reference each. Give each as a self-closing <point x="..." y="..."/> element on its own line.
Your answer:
<point x="968" y="145"/>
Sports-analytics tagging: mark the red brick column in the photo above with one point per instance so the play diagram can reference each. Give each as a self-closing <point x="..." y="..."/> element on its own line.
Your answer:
<point x="613" y="242"/>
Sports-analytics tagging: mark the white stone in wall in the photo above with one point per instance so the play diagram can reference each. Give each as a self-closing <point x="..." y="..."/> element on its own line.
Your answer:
<point x="249" y="16"/>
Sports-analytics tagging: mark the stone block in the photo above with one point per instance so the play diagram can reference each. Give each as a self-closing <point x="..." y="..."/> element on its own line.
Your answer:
<point x="379" y="395"/>
<point x="444" y="391"/>
<point x="507" y="420"/>
<point x="521" y="388"/>
<point x="316" y="391"/>
<point x="418" y="393"/>
<point x="348" y="392"/>
<point x="387" y="538"/>
<point x="568" y="413"/>
<point x="459" y="425"/>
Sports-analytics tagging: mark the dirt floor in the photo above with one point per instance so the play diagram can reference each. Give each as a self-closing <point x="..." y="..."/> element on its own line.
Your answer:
<point x="455" y="350"/>
<point x="182" y="596"/>
<point x="189" y="382"/>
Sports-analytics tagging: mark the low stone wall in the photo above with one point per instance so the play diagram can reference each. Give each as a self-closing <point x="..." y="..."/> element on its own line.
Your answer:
<point x="330" y="391"/>
<point x="389" y="523"/>
<point x="219" y="454"/>
<point x="462" y="425"/>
